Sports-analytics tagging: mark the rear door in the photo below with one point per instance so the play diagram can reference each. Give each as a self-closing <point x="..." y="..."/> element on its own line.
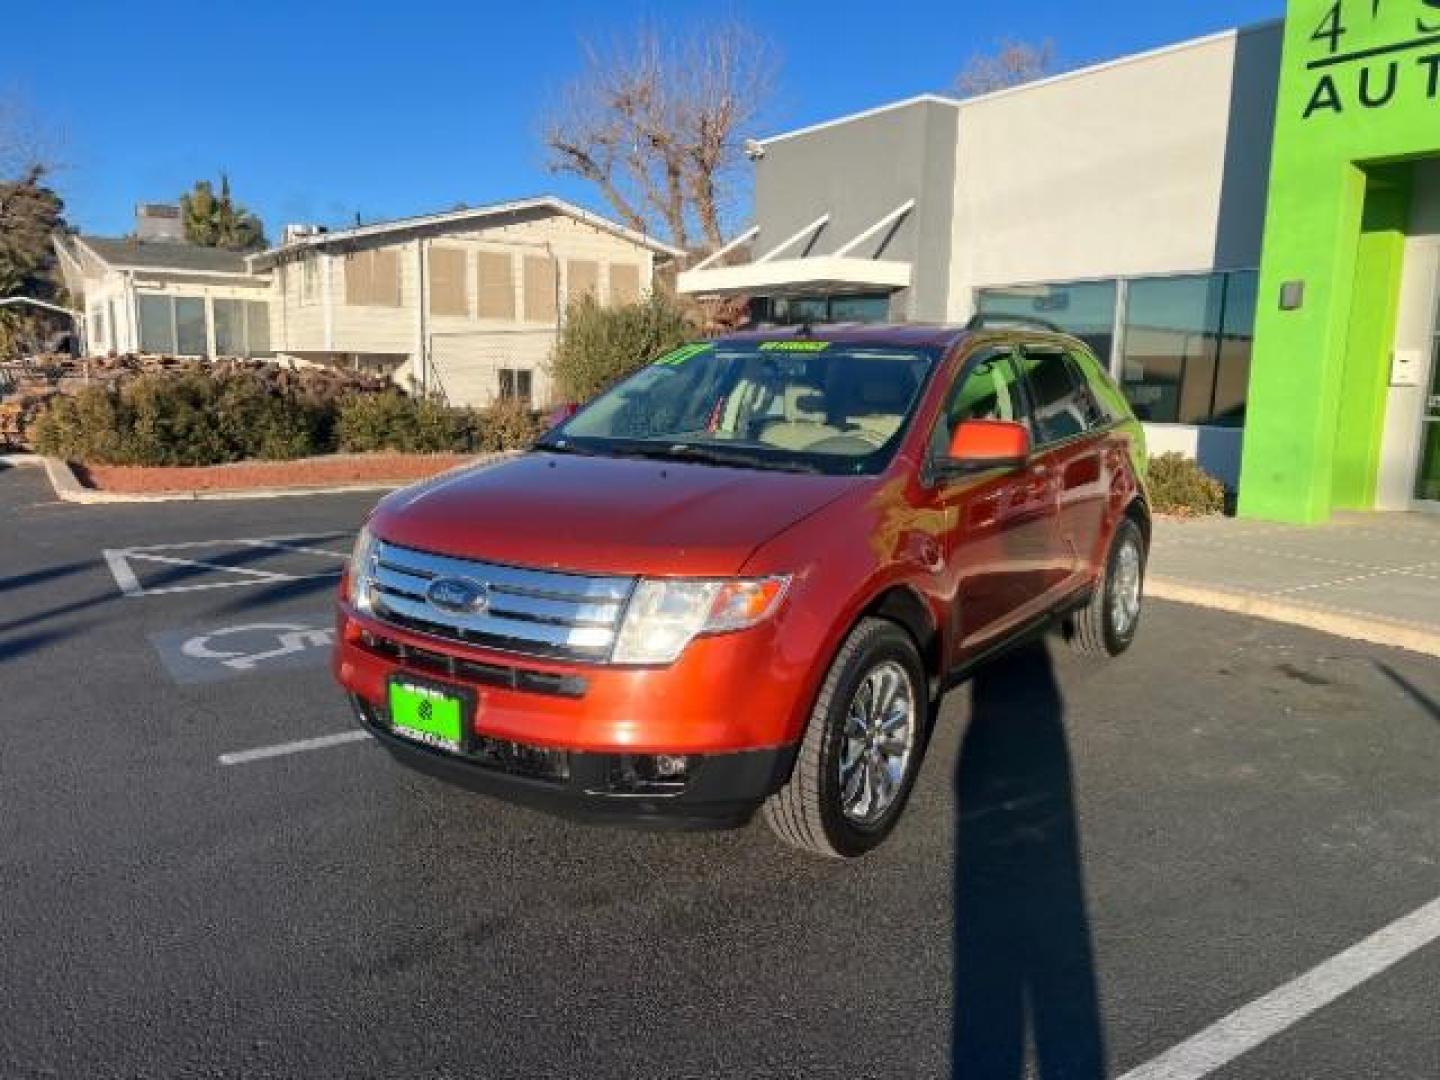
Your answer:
<point x="1069" y="425"/>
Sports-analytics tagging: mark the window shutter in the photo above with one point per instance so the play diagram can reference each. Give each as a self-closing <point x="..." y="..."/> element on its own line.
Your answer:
<point x="624" y="283"/>
<point x="496" y="285"/>
<point x="447" y="283"/>
<point x="539" y="289"/>
<point x="582" y="277"/>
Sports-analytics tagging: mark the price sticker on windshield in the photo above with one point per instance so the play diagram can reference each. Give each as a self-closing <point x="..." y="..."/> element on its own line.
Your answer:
<point x="794" y="346"/>
<point x="683" y="355"/>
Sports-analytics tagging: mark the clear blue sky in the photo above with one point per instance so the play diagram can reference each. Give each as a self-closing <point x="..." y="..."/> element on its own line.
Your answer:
<point x="321" y="109"/>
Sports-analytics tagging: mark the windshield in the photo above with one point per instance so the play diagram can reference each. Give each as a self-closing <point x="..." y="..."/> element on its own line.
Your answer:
<point x="810" y="406"/>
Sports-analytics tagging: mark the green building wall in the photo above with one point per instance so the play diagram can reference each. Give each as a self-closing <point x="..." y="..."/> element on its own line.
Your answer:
<point x="1359" y="102"/>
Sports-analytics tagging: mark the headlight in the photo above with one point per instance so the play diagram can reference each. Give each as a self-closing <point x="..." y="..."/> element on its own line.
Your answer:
<point x="666" y="614"/>
<point x="362" y="567"/>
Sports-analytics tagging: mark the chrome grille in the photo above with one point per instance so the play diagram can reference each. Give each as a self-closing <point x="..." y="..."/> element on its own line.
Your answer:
<point x="539" y="612"/>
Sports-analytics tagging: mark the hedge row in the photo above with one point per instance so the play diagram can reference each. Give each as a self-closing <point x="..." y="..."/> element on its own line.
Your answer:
<point x="200" y="418"/>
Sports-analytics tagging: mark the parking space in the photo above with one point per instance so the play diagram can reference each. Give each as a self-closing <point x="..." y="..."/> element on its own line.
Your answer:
<point x="206" y="870"/>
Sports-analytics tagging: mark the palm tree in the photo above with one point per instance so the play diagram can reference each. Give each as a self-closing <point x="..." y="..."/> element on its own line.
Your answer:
<point x="218" y="221"/>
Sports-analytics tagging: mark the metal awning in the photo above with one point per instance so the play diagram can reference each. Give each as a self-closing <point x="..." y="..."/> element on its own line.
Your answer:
<point x="796" y="277"/>
<point x="837" y="272"/>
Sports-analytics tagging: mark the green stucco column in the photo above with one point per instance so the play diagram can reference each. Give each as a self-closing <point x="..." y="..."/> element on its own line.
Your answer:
<point x="1359" y="93"/>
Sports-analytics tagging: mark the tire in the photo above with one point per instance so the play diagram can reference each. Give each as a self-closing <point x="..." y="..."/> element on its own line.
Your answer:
<point x="1106" y="625"/>
<point x="812" y="811"/>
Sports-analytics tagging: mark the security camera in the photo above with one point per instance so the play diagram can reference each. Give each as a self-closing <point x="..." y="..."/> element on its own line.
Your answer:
<point x="754" y="149"/>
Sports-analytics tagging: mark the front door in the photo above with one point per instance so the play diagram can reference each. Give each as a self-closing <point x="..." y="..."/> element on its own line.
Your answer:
<point x="1427" y="479"/>
<point x="1003" y="539"/>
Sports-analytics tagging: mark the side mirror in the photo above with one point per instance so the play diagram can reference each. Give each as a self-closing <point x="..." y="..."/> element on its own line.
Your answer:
<point x="978" y="445"/>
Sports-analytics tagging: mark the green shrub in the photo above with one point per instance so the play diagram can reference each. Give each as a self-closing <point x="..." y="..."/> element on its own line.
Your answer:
<point x="85" y="427"/>
<point x="372" y="422"/>
<point x="599" y="345"/>
<point x="506" y="425"/>
<point x="188" y="417"/>
<point x="1179" y="486"/>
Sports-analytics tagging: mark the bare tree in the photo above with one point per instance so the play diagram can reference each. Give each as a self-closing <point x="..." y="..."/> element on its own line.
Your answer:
<point x="1013" y="63"/>
<point x="656" y="122"/>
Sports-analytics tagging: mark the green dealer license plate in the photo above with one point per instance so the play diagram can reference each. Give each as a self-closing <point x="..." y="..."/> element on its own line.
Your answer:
<point x="427" y="714"/>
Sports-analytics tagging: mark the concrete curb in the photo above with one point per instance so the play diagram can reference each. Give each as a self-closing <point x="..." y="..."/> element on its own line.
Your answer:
<point x="68" y="487"/>
<point x="1369" y="628"/>
<point x="21" y="460"/>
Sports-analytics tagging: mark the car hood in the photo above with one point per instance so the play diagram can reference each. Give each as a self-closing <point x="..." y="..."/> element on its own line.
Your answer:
<point x="605" y="515"/>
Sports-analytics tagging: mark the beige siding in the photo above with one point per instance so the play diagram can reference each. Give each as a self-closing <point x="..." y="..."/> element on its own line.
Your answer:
<point x="469" y="365"/>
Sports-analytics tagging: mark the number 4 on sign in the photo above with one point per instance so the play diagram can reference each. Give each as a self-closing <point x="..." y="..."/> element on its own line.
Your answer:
<point x="1332" y="26"/>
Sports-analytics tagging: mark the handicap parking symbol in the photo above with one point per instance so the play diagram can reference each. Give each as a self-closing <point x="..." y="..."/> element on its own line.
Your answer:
<point x="211" y="654"/>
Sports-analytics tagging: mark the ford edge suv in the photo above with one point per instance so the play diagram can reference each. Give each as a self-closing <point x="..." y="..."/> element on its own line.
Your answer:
<point x="743" y="577"/>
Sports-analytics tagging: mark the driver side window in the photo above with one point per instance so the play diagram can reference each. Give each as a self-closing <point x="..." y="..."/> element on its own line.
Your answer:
<point x="989" y="389"/>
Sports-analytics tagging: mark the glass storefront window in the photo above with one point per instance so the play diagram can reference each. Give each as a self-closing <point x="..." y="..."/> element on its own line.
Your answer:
<point x="795" y="310"/>
<point x="1085" y="309"/>
<point x="1186" y="354"/>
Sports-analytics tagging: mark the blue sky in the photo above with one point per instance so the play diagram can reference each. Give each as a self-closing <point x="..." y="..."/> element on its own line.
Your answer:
<point x="320" y="110"/>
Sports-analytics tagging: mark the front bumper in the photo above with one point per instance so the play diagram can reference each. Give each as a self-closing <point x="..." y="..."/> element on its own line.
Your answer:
<point x="571" y="737"/>
<point x="717" y="791"/>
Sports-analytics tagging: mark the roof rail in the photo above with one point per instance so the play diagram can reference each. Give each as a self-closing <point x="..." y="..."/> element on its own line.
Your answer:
<point x="983" y="321"/>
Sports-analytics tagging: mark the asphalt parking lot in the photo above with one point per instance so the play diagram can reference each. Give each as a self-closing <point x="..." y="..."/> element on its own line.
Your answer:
<point x="203" y="872"/>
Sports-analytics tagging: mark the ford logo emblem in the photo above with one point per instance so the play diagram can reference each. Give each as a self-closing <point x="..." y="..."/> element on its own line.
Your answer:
<point x="460" y="596"/>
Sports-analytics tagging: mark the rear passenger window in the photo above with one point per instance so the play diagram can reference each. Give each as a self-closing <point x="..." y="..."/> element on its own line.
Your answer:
<point x="1062" y="402"/>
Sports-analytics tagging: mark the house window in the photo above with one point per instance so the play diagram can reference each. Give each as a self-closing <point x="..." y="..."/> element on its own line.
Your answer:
<point x="496" y="285"/>
<point x="449" y="293"/>
<point x="97" y="327"/>
<point x="516" y="385"/>
<point x="372" y="278"/>
<point x="157" y="324"/>
<point x="310" y="279"/>
<point x="540" y="285"/>
<point x="242" y="328"/>
<point x="1085" y="309"/>
<point x="1186" y="352"/>
<point x="190" y="336"/>
<point x="624" y="283"/>
<point x="582" y="278"/>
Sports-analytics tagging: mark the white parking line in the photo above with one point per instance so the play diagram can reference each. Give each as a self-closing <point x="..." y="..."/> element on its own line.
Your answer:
<point x="1249" y="1026"/>
<point x="219" y="575"/>
<point x="324" y="742"/>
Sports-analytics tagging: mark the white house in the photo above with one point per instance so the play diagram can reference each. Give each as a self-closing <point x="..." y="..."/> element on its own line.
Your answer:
<point x="465" y="303"/>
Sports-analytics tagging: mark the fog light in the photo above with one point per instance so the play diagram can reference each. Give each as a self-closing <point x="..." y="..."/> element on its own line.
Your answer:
<point x="670" y="766"/>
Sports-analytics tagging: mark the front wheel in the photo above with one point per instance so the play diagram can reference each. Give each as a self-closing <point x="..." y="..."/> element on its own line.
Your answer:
<point x="862" y="747"/>
<point x="1106" y="625"/>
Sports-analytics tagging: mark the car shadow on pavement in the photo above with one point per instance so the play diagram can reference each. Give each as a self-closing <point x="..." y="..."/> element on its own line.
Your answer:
<point x="1024" y="965"/>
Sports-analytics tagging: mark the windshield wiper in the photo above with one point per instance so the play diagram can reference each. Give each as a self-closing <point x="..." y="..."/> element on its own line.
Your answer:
<point x="563" y="448"/>
<point x="709" y="455"/>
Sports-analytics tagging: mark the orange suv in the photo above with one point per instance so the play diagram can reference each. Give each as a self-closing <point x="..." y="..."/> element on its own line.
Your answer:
<point x="744" y="576"/>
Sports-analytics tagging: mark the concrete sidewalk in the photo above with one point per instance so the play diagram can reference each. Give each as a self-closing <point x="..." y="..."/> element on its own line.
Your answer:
<point x="1375" y="577"/>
